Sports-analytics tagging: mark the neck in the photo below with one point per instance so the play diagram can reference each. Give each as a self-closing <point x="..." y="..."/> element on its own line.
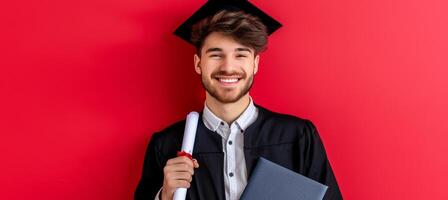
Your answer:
<point x="228" y="112"/>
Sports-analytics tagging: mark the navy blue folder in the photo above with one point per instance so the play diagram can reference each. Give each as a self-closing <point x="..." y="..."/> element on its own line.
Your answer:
<point x="271" y="181"/>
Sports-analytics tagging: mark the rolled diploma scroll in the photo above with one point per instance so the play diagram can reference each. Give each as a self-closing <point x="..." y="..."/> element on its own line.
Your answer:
<point x="191" y="125"/>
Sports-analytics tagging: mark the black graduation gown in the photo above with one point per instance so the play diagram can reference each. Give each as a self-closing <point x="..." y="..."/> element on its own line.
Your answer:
<point x="286" y="140"/>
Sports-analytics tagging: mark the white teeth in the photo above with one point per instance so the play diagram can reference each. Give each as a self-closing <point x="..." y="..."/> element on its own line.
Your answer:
<point x="228" y="80"/>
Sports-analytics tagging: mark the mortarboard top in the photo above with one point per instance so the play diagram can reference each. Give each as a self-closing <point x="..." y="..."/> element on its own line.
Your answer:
<point x="214" y="6"/>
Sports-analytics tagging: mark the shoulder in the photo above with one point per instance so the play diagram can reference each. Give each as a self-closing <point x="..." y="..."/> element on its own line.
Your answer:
<point x="287" y="127"/>
<point x="273" y="128"/>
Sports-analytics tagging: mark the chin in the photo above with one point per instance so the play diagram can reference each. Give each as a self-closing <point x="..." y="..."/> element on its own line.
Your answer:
<point x="229" y="98"/>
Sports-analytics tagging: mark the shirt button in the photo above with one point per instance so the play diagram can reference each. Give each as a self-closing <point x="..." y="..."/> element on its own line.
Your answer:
<point x="242" y="131"/>
<point x="222" y="123"/>
<point x="230" y="142"/>
<point x="231" y="174"/>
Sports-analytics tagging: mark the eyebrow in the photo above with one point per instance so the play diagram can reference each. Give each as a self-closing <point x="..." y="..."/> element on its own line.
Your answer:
<point x="213" y="50"/>
<point x="216" y="49"/>
<point x="244" y="49"/>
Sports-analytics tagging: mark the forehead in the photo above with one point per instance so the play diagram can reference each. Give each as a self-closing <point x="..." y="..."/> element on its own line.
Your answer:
<point x="225" y="42"/>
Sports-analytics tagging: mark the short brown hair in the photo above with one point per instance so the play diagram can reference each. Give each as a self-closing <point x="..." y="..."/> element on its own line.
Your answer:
<point x="246" y="29"/>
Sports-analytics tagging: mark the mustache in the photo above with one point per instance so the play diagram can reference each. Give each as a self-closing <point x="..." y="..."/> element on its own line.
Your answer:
<point x="227" y="73"/>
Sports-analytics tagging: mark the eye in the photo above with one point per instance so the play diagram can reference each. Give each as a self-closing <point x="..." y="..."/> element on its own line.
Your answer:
<point x="241" y="56"/>
<point x="215" y="56"/>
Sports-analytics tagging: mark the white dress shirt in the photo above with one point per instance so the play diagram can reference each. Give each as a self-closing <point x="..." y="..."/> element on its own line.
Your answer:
<point x="235" y="172"/>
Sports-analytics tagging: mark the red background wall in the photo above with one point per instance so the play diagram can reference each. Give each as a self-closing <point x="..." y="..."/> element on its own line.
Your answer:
<point x="84" y="83"/>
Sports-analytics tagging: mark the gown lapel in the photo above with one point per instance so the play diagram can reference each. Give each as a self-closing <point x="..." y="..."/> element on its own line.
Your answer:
<point x="208" y="180"/>
<point x="251" y="140"/>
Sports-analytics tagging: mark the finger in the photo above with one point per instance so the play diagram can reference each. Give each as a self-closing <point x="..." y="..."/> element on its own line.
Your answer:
<point x="195" y="163"/>
<point x="179" y="184"/>
<point x="180" y="159"/>
<point x="178" y="168"/>
<point x="179" y="176"/>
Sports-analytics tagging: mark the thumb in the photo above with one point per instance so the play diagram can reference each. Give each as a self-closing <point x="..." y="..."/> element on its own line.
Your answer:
<point x="195" y="163"/>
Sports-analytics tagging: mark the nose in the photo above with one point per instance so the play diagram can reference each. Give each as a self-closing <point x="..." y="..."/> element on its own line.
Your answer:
<point x="228" y="64"/>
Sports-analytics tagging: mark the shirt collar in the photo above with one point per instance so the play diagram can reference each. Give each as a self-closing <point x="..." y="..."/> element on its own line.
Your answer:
<point x="246" y="118"/>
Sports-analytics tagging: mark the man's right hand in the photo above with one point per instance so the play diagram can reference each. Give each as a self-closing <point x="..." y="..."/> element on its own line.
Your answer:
<point x="177" y="173"/>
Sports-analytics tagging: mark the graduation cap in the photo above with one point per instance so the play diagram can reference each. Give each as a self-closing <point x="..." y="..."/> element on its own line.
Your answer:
<point x="214" y="6"/>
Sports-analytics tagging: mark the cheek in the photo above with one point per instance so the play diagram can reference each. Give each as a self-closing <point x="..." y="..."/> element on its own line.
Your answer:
<point x="205" y="71"/>
<point x="249" y="67"/>
<point x="207" y="67"/>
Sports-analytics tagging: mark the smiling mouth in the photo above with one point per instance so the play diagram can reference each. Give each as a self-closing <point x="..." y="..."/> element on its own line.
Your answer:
<point x="228" y="81"/>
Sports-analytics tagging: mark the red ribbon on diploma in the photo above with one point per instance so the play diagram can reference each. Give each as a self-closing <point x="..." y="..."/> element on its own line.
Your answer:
<point x="183" y="153"/>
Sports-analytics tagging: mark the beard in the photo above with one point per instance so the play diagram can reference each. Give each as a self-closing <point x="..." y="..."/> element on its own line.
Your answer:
<point x="226" y="95"/>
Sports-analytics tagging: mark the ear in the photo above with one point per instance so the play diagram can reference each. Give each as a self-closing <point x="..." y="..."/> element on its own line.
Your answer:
<point x="256" y="61"/>
<point x="197" y="61"/>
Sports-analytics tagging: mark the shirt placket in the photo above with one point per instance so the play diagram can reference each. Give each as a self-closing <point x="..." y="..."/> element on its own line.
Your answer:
<point x="231" y="160"/>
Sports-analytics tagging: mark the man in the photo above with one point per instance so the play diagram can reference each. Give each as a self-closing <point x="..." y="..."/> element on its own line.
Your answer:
<point x="233" y="131"/>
